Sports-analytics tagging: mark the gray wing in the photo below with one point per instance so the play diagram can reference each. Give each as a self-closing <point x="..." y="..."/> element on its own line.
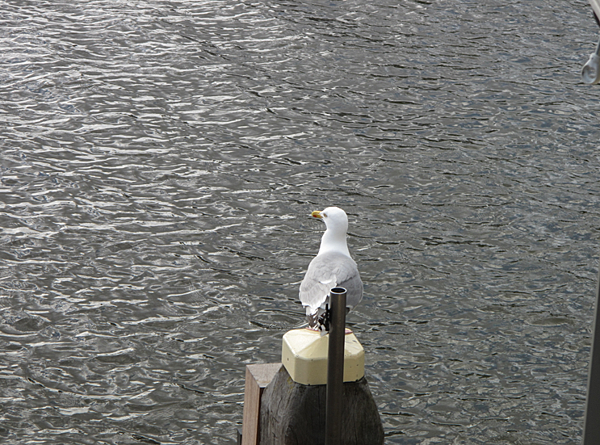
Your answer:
<point x="325" y="272"/>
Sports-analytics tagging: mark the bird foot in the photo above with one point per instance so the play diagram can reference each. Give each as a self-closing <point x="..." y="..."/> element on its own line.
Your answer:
<point x="316" y="329"/>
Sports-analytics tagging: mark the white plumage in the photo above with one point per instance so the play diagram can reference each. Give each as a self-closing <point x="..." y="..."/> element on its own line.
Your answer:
<point x="332" y="267"/>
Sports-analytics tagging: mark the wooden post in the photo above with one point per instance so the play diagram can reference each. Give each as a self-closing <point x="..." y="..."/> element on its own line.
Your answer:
<point x="591" y="427"/>
<point x="292" y="413"/>
<point x="257" y="378"/>
<point x="285" y="405"/>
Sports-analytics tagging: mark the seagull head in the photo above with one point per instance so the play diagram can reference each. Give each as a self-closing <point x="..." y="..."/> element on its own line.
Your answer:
<point x="335" y="219"/>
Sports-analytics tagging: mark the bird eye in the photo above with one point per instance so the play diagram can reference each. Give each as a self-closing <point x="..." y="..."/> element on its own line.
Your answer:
<point x="324" y="215"/>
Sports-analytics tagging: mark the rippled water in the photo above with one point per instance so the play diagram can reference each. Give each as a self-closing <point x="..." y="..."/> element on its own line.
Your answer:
<point x="159" y="160"/>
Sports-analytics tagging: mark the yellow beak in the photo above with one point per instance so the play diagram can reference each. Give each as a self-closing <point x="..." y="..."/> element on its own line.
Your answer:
<point x="316" y="214"/>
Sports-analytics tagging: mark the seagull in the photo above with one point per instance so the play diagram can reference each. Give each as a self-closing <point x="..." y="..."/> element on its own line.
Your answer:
<point x="332" y="267"/>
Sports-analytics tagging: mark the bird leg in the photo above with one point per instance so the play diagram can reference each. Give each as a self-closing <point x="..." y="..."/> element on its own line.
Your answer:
<point x="325" y="319"/>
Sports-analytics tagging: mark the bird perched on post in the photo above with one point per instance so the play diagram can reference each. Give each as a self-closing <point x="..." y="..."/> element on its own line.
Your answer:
<point x="332" y="267"/>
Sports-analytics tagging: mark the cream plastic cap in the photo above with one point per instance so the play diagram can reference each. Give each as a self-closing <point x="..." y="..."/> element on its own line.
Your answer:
<point x="304" y="355"/>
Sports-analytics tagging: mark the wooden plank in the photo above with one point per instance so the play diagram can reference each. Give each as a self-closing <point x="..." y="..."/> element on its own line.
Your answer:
<point x="257" y="378"/>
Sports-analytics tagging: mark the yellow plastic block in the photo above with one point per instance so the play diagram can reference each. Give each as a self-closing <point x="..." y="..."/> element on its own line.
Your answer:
<point x="304" y="355"/>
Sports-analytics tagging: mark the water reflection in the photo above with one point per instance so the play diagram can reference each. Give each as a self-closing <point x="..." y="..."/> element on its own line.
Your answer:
<point x="157" y="164"/>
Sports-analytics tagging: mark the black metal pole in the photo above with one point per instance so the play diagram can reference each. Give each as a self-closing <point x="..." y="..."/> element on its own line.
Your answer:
<point x="335" y="367"/>
<point x="591" y="429"/>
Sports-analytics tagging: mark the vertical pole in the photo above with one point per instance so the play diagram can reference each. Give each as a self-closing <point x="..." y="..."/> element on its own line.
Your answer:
<point x="335" y="367"/>
<point x="591" y="429"/>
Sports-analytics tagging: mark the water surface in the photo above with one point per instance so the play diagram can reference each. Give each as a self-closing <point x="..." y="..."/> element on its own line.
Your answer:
<point x="159" y="161"/>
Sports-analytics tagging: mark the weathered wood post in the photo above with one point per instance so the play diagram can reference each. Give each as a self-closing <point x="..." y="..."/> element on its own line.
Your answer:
<point x="293" y="403"/>
<point x="591" y="427"/>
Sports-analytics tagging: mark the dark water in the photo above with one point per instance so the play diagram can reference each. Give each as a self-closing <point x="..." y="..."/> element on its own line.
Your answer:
<point x="159" y="160"/>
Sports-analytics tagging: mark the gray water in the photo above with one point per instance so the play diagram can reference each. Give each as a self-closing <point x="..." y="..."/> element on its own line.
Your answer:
<point x="159" y="162"/>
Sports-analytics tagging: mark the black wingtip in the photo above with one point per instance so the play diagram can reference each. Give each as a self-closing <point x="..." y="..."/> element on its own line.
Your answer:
<point x="320" y="320"/>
